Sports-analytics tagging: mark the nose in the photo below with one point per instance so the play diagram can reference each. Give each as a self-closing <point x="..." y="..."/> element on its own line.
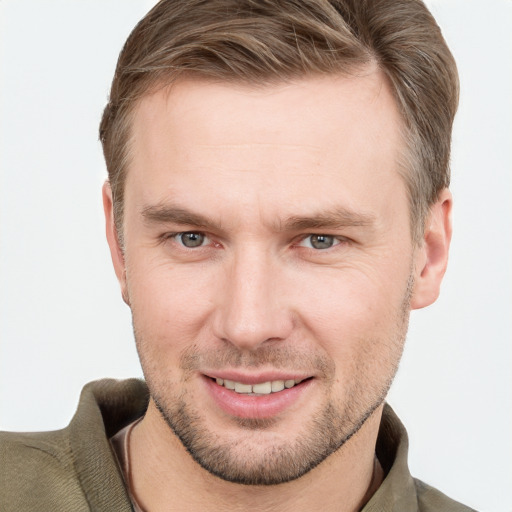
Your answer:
<point x="252" y="309"/>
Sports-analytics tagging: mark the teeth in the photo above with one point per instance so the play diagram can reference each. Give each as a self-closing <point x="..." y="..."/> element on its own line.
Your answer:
<point x="277" y="385"/>
<point x="243" y="388"/>
<point x="229" y="384"/>
<point x="264" y="388"/>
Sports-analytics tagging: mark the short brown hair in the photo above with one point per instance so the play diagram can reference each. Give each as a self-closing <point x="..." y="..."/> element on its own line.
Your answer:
<point x="266" y="41"/>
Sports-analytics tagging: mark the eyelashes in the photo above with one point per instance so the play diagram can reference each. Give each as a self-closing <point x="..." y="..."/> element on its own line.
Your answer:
<point x="191" y="239"/>
<point x="319" y="242"/>
<point x="197" y="239"/>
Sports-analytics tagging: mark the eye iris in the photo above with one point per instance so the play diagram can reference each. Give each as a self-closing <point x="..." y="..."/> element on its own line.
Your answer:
<point x="192" y="239"/>
<point x="322" y="241"/>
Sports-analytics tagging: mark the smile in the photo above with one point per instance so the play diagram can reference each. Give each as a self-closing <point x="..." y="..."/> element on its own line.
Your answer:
<point x="263" y="388"/>
<point x="257" y="397"/>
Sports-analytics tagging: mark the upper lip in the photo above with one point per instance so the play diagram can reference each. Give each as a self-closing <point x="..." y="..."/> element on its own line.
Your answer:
<point x="255" y="378"/>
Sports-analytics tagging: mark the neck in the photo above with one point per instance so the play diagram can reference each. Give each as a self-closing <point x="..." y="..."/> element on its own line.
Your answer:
<point x="163" y="472"/>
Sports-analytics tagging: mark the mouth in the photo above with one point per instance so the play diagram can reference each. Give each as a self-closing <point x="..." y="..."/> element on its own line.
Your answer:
<point x="258" y="397"/>
<point x="260" y="389"/>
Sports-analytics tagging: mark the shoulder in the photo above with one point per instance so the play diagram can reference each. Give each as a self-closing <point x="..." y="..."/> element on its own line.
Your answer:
<point x="432" y="500"/>
<point x="37" y="472"/>
<point x="400" y="490"/>
<point x="73" y="468"/>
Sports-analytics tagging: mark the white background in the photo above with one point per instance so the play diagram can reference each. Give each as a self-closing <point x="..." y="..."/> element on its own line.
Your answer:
<point x="62" y="321"/>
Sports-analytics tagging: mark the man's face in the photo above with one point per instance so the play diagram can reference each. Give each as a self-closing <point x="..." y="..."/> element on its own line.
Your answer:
<point x="267" y="247"/>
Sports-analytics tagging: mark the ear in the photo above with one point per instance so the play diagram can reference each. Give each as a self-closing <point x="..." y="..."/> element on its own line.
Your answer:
<point x="113" y="241"/>
<point x="432" y="253"/>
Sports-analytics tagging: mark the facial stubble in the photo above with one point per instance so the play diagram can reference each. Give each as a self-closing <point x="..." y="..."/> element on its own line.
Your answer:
<point x="242" y="460"/>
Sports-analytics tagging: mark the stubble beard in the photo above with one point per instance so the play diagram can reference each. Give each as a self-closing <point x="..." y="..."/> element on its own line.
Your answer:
<point x="243" y="461"/>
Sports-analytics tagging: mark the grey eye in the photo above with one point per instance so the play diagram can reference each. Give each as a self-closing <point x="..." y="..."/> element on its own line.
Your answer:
<point x="191" y="239"/>
<point x="322" y="241"/>
<point x="319" y="242"/>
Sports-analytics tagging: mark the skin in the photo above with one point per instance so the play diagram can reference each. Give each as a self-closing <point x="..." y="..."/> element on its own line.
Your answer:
<point x="257" y="171"/>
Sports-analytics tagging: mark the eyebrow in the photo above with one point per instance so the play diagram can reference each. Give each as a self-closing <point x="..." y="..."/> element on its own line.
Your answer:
<point x="331" y="219"/>
<point x="166" y="214"/>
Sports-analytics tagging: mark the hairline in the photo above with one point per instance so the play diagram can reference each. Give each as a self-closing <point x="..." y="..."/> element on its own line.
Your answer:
<point x="407" y="160"/>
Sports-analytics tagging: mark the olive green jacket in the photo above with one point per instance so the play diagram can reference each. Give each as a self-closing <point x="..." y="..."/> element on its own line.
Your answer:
<point x="75" y="470"/>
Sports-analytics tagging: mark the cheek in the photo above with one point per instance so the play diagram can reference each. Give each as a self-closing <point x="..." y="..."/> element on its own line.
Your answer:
<point x="350" y="300"/>
<point x="360" y="323"/>
<point x="169" y="316"/>
<point x="358" y="317"/>
<point x="168" y="303"/>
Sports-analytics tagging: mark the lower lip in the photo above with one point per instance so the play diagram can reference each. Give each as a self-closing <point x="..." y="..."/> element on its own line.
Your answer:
<point x="255" y="406"/>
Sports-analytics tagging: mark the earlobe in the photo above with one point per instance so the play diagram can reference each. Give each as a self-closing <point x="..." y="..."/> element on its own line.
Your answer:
<point x="432" y="254"/>
<point x="116" y="252"/>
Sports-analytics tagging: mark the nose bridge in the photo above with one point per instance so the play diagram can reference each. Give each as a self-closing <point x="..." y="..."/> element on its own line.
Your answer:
<point x="252" y="310"/>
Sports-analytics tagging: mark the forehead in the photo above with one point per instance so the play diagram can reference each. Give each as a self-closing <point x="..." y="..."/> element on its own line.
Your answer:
<point x="325" y="100"/>
<point x="322" y="138"/>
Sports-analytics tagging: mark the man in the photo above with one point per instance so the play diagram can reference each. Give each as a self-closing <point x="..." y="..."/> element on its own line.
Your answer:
<point x="277" y="203"/>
